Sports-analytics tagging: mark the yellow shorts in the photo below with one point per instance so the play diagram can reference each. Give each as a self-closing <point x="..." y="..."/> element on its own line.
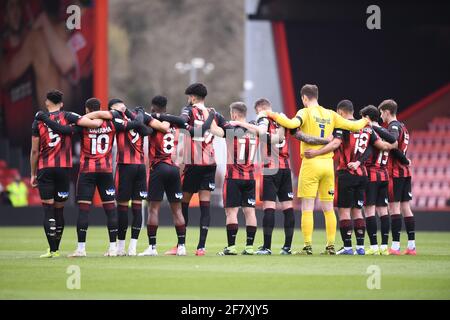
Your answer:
<point x="316" y="175"/>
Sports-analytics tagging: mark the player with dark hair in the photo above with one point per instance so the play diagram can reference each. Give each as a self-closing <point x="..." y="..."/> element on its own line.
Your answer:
<point x="277" y="181"/>
<point x="239" y="185"/>
<point x="96" y="172"/>
<point x="130" y="173"/>
<point x="316" y="175"/>
<point x="399" y="181"/>
<point x="200" y="166"/>
<point x="165" y="174"/>
<point x="354" y="150"/>
<point x="51" y="161"/>
<point x="377" y="189"/>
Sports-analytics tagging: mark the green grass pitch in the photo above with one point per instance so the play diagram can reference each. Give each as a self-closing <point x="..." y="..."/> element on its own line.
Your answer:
<point x="24" y="276"/>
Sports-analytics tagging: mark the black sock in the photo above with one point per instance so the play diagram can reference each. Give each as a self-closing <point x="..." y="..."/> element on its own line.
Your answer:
<point x="360" y="230"/>
<point x="371" y="225"/>
<point x="83" y="221"/>
<point x="136" y="225"/>
<point x="50" y="225"/>
<point x="346" y="232"/>
<point x="112" y="220"/>
<point x="59" y="217"/>
<point x="268" y="225"/>
<point x="181" y="233"/>
<point x="385" y="226"/>
<point x="205" y="219"/>
<point x="185" y="211"/>
<point x="232" y="230"/>
<point x="410" y="226"/>
<point x="396" y="226"/>
<point x="151" y="232"/>
<point x="122" y="212"/>
<point x="251" y="231"/>
<point x="289" y="225"/>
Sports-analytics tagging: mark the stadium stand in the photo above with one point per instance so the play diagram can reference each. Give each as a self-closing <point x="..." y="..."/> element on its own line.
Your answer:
<point x="429" y="152"/>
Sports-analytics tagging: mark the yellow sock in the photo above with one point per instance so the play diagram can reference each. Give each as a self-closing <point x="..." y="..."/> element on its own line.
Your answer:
<point x="330" y="225"/>
<point x="307" y="226"/>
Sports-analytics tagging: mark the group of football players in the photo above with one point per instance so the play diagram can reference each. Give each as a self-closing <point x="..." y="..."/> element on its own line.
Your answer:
<point x="372" y="171"/>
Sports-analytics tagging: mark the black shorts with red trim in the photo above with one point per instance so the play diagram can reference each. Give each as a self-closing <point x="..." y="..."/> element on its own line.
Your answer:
<point x="164" y="178"/>
<point x="377" y="193"/>
<point x="277" y="185"/>
<point x="195" y="178"/>
<point x="54" y="183"/>
<point x="239" y="193"/>
<point x="350" y="190"/>
<point x="131" y="182"/>
<point x="87" y="181"/>
<point x="400" y="189"/>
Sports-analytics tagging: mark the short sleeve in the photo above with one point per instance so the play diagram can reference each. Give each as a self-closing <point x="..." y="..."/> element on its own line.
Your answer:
<point x="119" y="123"/>
<point x="301" y="115"/>
<point x="221" y="122"/>
<point x="263" y="121"/>
<point x="186" y="113"/>
<point x="35" y="129"/>
<point x="147" y="118"/>
<point x="394" y="129"/>
<point x="72" y="117"/>
<point x="338" y="134"/>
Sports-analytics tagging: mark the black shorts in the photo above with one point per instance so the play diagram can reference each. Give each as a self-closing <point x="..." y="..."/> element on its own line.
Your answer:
<point x="164" y="178"/>
<point x="103" y="181"/>
<point x="400" y="189"/>
<point x="277" y="185"/>
<point x="197" y="178"/>
<point x="350" y="190"/>
<point x="54" y="183"/>
<point x="377" y="194"/>
<point x="239" y="193"/>
<point x="131" y="182"/>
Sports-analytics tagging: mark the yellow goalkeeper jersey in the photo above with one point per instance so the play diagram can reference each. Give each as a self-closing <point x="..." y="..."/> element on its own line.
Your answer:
<point x="320" y="122"/>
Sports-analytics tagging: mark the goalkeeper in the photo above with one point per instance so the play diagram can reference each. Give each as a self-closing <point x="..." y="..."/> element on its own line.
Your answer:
<point x="316" y="174"/>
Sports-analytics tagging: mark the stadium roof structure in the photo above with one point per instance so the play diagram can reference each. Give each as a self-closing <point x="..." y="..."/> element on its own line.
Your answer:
<point x="394" y="12"/>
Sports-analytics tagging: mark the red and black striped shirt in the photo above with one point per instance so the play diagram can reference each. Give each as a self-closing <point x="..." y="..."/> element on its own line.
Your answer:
<point x="55" y="150"/>
<point x="198" y="150"/>
<point x="241" y="150"/>
<point x="273" y="155"/>
<point x="96" y="148"/>
<point x="395" y="167"/>
<point x="130" y="144"/>
<point x="376" y="165"/>
<point x="353" y="145"/>
<point x="162" y="146"/>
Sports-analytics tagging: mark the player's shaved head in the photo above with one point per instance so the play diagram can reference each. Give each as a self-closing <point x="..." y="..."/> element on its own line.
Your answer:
<point x="371" y="112"/>
<point x="389" y="105"/>
<point x="346" y="106"/>
<point x="92" y="104"/>
<point x="159" y="103"/>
